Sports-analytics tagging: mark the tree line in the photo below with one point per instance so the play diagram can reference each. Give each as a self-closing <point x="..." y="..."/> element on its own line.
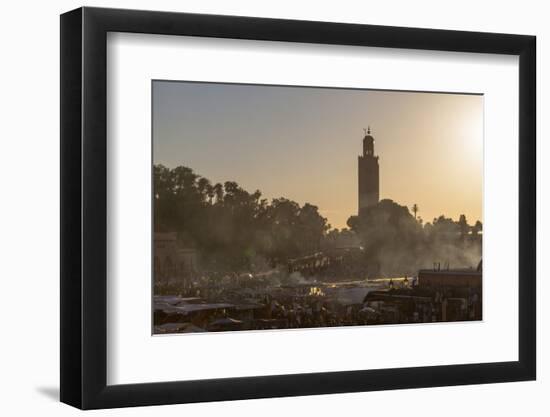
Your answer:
<point x="233" y="229"/>
<point x="230" y="227"/>
<point x="397" y="242"/>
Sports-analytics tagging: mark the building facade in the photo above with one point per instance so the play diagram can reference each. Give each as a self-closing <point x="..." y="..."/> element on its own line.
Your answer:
<point x="172" y="264"/>
<point x="369" y="175"/>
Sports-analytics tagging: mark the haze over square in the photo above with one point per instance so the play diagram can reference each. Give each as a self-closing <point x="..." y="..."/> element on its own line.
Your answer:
<point x="303" y="143"/>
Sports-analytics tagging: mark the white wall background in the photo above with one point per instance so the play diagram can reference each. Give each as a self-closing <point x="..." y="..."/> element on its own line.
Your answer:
<point x="29" y="209"/>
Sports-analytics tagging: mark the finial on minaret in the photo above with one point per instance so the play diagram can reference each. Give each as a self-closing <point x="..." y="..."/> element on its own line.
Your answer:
<point x="368" y="131"/>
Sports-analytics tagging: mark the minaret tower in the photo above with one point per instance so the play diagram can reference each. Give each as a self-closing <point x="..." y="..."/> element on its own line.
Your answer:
<point x="369" y="177"/>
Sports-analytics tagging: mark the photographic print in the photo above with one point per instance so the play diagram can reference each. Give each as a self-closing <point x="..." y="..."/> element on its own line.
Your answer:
<point x="286" y="207"/>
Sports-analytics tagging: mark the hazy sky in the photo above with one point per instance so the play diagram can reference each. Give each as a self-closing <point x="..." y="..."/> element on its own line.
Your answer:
<point x="303" y="143"/>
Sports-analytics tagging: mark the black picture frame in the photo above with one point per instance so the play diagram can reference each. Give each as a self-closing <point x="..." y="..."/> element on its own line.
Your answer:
<point x="84" y="207"/>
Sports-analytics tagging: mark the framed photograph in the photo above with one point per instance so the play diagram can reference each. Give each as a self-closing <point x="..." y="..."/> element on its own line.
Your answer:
<point x="258" y="208"/>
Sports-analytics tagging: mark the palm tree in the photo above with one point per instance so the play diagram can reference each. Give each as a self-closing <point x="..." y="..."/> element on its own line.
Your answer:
<point x="210" y="193"/>
<point x="203" y="185"/>
<point x="415" y="210"/>
<point x="218" y="192"/>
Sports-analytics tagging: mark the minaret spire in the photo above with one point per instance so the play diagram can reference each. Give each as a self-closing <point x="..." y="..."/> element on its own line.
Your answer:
<point x="369" y="174"/>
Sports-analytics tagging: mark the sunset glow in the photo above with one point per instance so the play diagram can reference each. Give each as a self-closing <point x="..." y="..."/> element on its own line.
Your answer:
<point x="303" y="143"/>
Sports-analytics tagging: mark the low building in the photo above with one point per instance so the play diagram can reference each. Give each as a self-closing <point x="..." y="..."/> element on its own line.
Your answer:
<point x="450" y="278"/>
<point x="171" y="262"/>
<point x="439" y="295"/>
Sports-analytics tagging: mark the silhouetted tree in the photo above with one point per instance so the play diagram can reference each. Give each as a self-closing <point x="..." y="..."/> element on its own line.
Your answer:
<point x="230" y="226"/>
<point x="397" y="243"/>
<point x="477" y="228"/>
<point x="463" y="226"/>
